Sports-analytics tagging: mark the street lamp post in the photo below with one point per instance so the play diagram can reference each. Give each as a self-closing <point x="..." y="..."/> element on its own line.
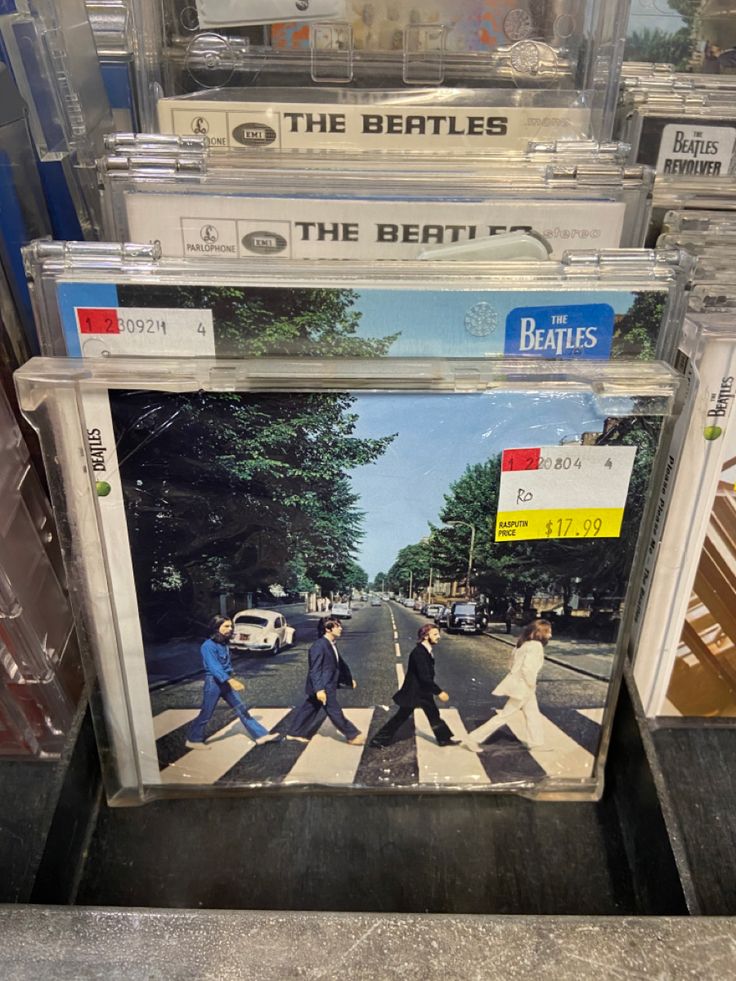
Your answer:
<point x="467" y="524"/>
<point x="411" y="579"/>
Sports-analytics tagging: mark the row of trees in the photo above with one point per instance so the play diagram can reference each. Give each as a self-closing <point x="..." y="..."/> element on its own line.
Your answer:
<point x="230" y="493"/>
<point x="521" y="569"/>
<point x="676" y="47"/>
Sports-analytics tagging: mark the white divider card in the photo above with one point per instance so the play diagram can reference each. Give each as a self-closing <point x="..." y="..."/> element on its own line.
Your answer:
<point x="230" y="226"/>
<point x="234" y="13"/>
<point x="453" y="129"/>
<point x="117" y="331"/>
<point x="563" y="492"/>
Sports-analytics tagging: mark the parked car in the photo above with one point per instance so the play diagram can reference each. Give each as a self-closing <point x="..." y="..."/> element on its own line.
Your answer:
<point x="441" y="617"/>
<point x="261" y="630"/>
<point x="466" y="618"/>
<point x="342" y="611"/>
<point x="431" y="610"/>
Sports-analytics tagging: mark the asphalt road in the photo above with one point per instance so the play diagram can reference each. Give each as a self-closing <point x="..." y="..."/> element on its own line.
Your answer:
<point x="467" y="667"/>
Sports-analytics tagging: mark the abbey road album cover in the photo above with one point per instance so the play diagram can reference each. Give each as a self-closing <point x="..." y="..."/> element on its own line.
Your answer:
<point x="363" y="589"/>
<point x="102" y="319"/>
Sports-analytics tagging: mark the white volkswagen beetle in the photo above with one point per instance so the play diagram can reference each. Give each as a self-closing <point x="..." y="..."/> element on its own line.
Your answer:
<point x="261" y="630"/>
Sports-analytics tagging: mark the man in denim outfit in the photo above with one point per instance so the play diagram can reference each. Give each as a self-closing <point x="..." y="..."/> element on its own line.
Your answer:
<point x="220" y="683"/>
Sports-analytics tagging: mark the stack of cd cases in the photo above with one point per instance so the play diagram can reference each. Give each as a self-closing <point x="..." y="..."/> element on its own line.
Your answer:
<point x="304" y="465"/>
<point x="683" y="125"/>
<point x="197" y="203"/>
<point x="102" y="300"/>
<point x="181" y="483"/>
<point x="40" y="674"/>
<point x="528" y="70"/>
<point x="685" y="665"/>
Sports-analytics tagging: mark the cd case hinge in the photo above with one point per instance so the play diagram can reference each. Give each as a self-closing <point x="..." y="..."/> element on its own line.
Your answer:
<point x="72" y="253"/>
<point x="152" y="165"/>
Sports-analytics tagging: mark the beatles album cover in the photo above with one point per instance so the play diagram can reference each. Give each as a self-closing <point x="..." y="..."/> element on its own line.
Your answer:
<point x="703" y="680"/>
<point x="368" y="590"/>
<point x="103" y="319"/>
<point x="379" y="25"/>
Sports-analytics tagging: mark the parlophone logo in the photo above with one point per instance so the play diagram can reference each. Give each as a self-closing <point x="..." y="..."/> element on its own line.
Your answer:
<point x="302" y="5"/>
<point x="254" y="134"/>
<point x="264" y="243"/>
<point x="200" y="126"/>
<point x="209" y="234"/>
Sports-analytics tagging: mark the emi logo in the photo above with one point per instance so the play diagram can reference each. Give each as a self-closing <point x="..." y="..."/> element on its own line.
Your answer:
<point x="209" y="234"/>
<point x="254" y="134"/>
<point x="200" y="126"/>
<point x="264" y="243"/>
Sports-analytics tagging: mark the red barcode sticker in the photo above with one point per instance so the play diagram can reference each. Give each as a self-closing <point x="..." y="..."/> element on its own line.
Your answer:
<point x="98" y="320"/>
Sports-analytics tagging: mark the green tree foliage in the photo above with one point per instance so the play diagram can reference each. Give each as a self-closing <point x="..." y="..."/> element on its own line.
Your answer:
<point x="253" y="321"/>
<point x="655" y="45"/>
<point x="637" y="331"/>
<point x="233" y="493"/>
<point x="498" y="569"/>
<point x="412" y="563"/>
<point x="520" y="569"/>
<point x="687" y="9"/>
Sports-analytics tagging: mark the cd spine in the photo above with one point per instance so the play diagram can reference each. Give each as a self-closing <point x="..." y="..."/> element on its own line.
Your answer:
<point x="684" y="501"/>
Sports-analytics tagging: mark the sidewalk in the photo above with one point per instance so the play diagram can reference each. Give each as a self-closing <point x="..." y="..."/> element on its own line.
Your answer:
<point x="587" y="657"/>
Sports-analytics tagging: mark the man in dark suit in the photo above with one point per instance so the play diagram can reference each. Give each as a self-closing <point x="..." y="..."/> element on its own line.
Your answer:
<point x="417" y="692"/>
<point x="328" y="671"/>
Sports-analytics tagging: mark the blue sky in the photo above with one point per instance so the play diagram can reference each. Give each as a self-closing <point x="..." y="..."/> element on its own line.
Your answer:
<point x="439" y="435"/>
<point x="432" y="322"/>
<point x="655" y="15"/>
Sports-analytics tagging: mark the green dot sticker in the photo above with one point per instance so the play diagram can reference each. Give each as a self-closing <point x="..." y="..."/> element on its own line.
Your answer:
<point x="712" y="432"/>
<point x="103" y="488"/>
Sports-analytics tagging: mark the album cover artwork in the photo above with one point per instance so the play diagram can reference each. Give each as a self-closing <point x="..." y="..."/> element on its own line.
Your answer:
<point x="340" y="588"/>
<point x="247" y="321"/>
<point x="380" y="25"/>
<point x="703" y="680"/>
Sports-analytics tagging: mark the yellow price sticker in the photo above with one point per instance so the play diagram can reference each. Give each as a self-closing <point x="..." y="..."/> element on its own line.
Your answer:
<point x="578" y="523"/>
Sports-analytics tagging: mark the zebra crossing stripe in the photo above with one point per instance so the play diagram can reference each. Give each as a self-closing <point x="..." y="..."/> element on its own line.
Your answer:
<point x="595" y="715"/>
<point x="328" y="759"/>
<point x="451" y="765"/>
<point x="400" y="674"/>
<point x="171" y="719"/>
<point x="559" y="755"/>
<point x="227" y="746"/>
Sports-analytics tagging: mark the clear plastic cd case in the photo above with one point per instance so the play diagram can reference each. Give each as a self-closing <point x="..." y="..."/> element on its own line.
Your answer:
<point x="209" y="205"/>
<point x="459" y="122"/>
<point x="689" y="133"/>
<point x="51" y="50"/>
<point x="710" y="225"/>
<point x="685" y="636"/>
<point x="688" y="193"/>
<point x="101" y="301"/>
<point x="695" y="37"/>
<point x="709" y="235"/>
<point x="266" y="554"/>
<point x="40" y="671"/>
<point x="112" y="28"/>
<point x="489" y="46"/>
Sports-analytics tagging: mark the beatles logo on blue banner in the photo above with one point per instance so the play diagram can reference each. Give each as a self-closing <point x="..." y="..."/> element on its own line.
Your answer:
<point x="580" y="331"/>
